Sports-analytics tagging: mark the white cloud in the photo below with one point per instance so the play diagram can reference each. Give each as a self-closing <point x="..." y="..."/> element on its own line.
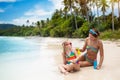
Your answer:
<point x="57" y="4"/>
<point x="7" y="0"/>
<point x="37" y="13"/>
<point x="1" y="10"/>
<point x="22" y="20"/>
<point x="33" y="15"/>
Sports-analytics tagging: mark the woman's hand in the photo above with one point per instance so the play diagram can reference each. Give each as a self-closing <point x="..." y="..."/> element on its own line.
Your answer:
<point x="98" y="67"/>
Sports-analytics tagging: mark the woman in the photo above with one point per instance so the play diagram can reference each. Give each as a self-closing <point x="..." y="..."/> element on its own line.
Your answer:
<point x="68" y="56"/>
<point x="92" y="45"/>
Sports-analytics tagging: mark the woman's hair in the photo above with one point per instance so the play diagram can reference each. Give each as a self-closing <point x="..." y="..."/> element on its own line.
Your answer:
<point x="94" y="32"/>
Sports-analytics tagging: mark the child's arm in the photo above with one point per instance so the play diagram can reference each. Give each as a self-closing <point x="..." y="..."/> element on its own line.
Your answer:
<point x="64" y="58"/>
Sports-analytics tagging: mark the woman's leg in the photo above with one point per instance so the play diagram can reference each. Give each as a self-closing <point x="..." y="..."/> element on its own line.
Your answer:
<point x="85" y="63"/>
<point x="82" y="57"/>
<point x="76" y="67"/>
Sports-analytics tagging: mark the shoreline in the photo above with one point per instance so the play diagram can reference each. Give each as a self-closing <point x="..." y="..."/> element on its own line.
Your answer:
<point x="46" y="61"/>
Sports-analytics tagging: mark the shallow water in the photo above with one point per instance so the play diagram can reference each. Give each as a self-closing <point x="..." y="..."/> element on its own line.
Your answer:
<point x="26" y="59"/>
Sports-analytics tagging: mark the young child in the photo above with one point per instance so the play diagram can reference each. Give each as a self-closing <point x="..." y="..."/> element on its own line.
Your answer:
<point x="68" y="55"/>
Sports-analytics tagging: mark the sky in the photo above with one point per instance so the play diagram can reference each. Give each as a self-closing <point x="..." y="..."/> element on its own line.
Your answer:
<point x="19" y="11"/>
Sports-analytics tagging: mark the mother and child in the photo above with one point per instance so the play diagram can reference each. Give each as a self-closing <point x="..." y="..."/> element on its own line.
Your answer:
<point x="73" y="62"/>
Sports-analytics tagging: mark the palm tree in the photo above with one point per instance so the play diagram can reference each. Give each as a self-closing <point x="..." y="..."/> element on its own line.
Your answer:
<point x="38" y="25"/>
<point x="97" y="5"/>
<point x="93" y="4"/>
<point x="42" y="23"/>
<point x="69" y="5"/>
<point x="84" y="8"/>
<point x="112" y="14"/>
<point x="91" y="12"/>
<point x="118" y="1"/>
<point x="119" y="9"/>
<point x="47" y="21"/>
<point x="27" y="22"/>
<point x="33" y="24"/>
<point x="103" y="4"/>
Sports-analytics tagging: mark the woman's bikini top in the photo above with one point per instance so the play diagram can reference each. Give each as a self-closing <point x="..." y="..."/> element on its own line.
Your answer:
<point x="92" y="48"/>
<point x="71" y="56"/>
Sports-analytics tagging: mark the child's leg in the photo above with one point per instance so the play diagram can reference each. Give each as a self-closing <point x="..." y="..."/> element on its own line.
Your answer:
<point x="62" y="69"/>
<point x="69" y="67"/>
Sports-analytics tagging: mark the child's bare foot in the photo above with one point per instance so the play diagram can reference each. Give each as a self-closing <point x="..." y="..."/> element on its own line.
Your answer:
<point x="65" y="73"/>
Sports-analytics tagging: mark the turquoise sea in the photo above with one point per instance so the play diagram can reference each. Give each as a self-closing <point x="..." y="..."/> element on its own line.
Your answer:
<point x="16" y="45"/>
<point x="26" y="58"/>
<point x="17" y="48"/>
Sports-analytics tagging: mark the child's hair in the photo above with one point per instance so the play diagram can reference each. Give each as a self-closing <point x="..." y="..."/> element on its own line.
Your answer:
<point x="64" y="44"/>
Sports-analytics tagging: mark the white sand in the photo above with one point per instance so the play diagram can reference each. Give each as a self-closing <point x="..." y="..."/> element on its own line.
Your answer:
<point x="45" y="65"/>
<point x="110" y="69"/>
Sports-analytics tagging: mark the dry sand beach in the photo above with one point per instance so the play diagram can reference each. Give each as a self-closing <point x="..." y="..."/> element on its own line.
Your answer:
<point x="109" y="71"/>
<point x="43" y="64"/>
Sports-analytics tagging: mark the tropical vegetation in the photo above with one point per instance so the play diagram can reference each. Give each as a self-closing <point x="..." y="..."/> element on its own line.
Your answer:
<point x="74" y="20"/>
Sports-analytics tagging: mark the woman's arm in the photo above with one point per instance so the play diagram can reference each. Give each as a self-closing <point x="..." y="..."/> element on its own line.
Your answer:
<point x="81" y="50"/>
<point x="101" y="55"/>
<point x="84" y="47"/>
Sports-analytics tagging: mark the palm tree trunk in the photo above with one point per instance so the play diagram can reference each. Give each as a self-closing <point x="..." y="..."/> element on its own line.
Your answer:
<point x="104" y="16"/>
<point x="87" y="16"/>
<point x="97" y="12"/>
<point x="76" y="22"/>
<point x="119" y="9"/>
<point x="112" y="15"/>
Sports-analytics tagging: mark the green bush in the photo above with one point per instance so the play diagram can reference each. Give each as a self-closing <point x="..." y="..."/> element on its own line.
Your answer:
<point x="109" y="34"/>
<point x="83" y="31"/>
